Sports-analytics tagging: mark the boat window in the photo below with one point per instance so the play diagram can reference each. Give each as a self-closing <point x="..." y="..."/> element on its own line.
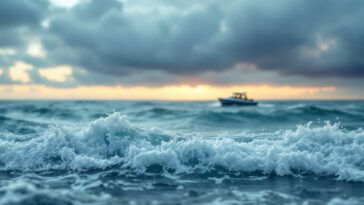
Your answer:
<point x="240" y="96"/>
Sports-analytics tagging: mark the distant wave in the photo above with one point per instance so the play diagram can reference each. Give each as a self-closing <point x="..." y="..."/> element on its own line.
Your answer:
<point x="160" y="112"/>
<point x="310" y="109"/>
<point x="218" y="116"/>
<point x="259" y="117"/>
<point x="212" y="116"/>
<point x="113" y="142"/>
<point x="19" y="126"/>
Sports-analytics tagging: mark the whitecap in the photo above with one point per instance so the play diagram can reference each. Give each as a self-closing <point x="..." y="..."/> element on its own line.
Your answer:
<point x="114" y="142"/>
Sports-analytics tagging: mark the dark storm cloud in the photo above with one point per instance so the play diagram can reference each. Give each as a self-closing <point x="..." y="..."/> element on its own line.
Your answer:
<point x="314" y="38"/>
<point x="20" y="23"/>
<point x="116" y="43"/>
<point x="161" y="41"/>
<point x="19" y="12"/>
<point x="291" y="36"/>
<point x="18" y="15"/>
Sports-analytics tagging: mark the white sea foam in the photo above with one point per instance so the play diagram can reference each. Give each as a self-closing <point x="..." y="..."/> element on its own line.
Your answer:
<point x="350" y="201"/>
<point x="113" y="141"/>
<point x="25" y="192"/>
<point x="261" y="197"/>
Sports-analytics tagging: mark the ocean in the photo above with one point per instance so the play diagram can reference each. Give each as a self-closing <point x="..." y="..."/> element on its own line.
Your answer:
<point x="160" y="152"/>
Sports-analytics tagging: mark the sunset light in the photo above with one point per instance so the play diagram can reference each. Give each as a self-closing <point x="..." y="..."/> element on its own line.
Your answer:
<point x="181" y="102"/>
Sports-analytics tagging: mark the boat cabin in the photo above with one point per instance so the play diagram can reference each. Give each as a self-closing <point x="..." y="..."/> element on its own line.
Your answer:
<point x="242" y="96"/>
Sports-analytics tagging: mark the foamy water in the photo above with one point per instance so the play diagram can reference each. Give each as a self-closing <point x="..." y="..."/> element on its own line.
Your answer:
<point x="78" y="152"/>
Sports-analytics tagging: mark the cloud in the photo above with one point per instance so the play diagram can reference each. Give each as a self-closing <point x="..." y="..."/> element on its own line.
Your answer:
<point x="312" y="38"/>
<point x="17" y="16"/>
<point x="57" y="74"/>
<point x="7" y="52"/>
<point x="19" y="72"/>
<point x="64" y="3"/>
<point x="167" y="42"/>
<point x="36" y="50"/>
<point x="19" y="12"/>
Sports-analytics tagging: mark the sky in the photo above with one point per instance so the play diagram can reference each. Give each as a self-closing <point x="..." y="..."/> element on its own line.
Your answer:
<point x="181" y="50"/>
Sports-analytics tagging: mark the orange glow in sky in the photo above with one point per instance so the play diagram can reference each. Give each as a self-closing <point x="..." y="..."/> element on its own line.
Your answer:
<point x="171" y="92"/>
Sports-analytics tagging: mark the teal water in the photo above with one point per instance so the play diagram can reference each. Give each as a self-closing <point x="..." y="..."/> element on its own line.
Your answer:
<point x="150" y="152"/>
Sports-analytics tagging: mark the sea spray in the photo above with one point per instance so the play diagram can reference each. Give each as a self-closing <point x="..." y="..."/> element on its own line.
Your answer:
<point x="113" y="141"/>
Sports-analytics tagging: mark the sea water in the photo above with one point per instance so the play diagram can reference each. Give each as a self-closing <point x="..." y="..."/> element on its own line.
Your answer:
<point x="158" y="152"/>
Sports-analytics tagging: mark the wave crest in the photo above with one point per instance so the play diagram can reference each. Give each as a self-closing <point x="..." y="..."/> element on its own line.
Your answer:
<point x="113" y="142"/>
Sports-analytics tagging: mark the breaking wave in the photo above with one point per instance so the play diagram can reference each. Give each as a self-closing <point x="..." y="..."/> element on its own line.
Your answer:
<point x="112" y="142"/>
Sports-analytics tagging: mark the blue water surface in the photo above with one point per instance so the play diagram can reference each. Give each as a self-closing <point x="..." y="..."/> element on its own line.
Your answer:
<point x="162" y="152"/>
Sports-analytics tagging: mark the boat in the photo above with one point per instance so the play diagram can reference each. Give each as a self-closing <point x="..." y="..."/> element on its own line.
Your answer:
<point x="240" y="99"/>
